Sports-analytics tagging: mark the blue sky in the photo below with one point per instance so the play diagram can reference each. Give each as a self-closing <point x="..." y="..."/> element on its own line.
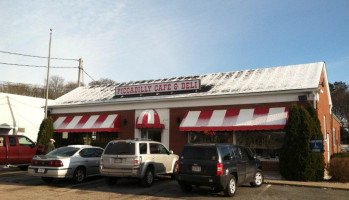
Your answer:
<point x="138" y="40"/>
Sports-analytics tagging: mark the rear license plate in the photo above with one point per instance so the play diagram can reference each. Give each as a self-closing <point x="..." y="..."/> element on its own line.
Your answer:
<point x="41" y="170"/>
<point x="117" y="160"/>
<point x="196" y="168"/>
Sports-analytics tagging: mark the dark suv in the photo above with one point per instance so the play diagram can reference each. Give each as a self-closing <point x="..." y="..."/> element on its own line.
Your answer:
<point x="219" y="166"/>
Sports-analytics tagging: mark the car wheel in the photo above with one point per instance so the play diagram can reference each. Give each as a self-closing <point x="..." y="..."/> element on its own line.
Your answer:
<point x="47" y="179"/>
<point x="231" y="187"/>
<point x="110" y="180"/>
<point x="258" y="179"/>
<point x="148" y="178"/>
<point x="186" y="187"/>
<point x="79" y="175"/>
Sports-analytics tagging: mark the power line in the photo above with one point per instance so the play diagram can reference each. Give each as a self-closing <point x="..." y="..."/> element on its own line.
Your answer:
<point x="88" y="74"/>
<point x="14" y="64"/>
<point x="19" y="54"/>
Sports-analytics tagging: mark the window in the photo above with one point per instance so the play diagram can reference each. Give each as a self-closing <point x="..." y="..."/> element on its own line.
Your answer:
<point x="154" y="148"/>
<point x="225" y="153"/>
<point x="163" y="149"/>
<point x="235" y="153"/>
<point x="199" y="153"/>
<point x="13" y="141"/>
<point x="87" y="153"/>
<point x="120" y="148"/>
<point x="91" y="152"/>
<point x="244" y="154"/>
<point x="24" y="141"/>
<point x="2" y="142"/>
<point x="143" y="148"/>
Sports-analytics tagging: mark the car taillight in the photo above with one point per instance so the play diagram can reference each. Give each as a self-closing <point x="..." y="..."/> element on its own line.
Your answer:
<point x="177" y="166"/>
<point x="138" y="160"/>
<point x="35" y="162"/>
<point x="56" y="163"/>
<point x="220" y="169"/>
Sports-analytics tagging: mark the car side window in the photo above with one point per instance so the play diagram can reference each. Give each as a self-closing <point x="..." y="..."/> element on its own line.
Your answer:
<point x="154" y="148"/>
<point x="143" y="148"/>
<point x="225" y="153"/>
<point x="236" y="153"/>
<point x="89" y="152"/>
<point x="24" y="141"/>
<point x="243" y="153"/>
<point x="98" y="152"/>
<point x="2" y="142"/>
<point x="163" y="149"/>
<point x="13" y="141"/>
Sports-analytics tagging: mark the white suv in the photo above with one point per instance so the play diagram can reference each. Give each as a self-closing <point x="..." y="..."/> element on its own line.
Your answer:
<point x="138" y="158"/>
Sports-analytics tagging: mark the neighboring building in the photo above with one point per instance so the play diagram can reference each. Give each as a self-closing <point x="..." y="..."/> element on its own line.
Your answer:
<point x="21" y="115"/>
<point x="247" y="107"/>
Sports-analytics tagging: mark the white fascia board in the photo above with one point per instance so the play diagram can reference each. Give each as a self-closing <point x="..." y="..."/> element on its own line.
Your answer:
<point x="257" y="98"/>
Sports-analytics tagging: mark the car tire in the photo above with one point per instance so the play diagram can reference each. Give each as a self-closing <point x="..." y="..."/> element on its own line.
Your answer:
<point x="111" y="180"/>
<point x="186" y="188"/>
<point x="148" y="178"/>
<point x="79" y="175"/>
<point x="47" y="179"/>
<point x="258" y="179"/>
<point x="231" y="187"/>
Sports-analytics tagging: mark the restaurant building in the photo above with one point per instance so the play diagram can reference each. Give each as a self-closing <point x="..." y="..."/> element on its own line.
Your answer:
<point x="248" y="107"/>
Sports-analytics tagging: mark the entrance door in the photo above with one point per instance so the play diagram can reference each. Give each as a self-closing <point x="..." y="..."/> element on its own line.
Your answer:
<point x="153" y="134"/>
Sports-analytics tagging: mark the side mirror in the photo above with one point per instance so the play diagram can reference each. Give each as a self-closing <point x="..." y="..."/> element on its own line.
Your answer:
<point x="171" y="152"/>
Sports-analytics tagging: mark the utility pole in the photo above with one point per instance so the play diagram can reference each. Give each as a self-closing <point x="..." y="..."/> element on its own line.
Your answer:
<point x="80" y="72"/>
<point x="48" y="74"/>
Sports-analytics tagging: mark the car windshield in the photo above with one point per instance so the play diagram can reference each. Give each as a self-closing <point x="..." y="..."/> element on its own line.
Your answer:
<point x="120" y="148"/>
<point x="63" y="151"/>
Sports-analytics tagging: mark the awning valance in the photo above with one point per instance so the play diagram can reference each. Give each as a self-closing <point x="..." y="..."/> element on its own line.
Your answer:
<point x="235" y="119"/>
<point x="149" y="119"/>
<point x="88" y="123"/>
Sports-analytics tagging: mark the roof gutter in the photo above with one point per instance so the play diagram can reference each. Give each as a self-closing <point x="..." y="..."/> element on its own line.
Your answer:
<point x="308" y="90"/>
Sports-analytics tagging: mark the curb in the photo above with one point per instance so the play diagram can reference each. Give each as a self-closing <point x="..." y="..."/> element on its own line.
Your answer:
<point x="338" y="186"/>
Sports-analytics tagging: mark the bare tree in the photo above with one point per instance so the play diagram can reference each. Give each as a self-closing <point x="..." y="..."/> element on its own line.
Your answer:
<point x="102" y="81"/>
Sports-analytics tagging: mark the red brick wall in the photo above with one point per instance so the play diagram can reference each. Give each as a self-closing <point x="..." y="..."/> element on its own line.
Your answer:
<point x="323" y="109"/>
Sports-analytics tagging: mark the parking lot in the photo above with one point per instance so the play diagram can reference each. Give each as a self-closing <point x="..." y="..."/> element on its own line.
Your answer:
<point x="16" y="184"/>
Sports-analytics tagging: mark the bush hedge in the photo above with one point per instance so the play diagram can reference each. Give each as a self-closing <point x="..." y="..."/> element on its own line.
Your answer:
<point x="339" y="168"/>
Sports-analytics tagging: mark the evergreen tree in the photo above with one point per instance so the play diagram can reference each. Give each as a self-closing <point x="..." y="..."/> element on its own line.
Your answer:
<point x="305" y="171"/>
<point x="45" y="131"/>
<point x="287" y="157"/>
<point x="318" y="160"/>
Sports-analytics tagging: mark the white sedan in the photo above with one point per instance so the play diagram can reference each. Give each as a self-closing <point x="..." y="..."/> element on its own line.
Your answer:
<point x="75" y="162"/>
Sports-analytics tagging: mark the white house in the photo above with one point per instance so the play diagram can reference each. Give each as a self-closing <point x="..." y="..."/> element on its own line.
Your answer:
<point x="21" y="115"/>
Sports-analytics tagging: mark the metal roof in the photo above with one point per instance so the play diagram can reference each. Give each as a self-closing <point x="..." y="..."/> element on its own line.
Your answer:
<point x="273" y="79"/>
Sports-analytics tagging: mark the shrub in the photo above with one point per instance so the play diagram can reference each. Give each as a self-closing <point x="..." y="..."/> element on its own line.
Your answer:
<point x="45" y="131"/>
<point x="339" y="169"/>
<point x="340" y="155"/>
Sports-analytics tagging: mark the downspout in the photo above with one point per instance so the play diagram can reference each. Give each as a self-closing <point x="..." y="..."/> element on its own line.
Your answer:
<point x="13" y="116"/>
<point x="314" y="100"/>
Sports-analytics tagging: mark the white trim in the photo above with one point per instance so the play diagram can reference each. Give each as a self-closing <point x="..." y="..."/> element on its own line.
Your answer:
<point x="178" y="103"/>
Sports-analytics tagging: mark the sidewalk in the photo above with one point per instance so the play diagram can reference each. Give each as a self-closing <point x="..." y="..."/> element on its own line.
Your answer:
<point x="277" y="179"/>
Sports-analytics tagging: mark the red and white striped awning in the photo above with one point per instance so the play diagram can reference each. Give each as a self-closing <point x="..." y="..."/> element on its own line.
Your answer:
<point x="235" y="119"/>
<point x="87" y="123"/>
<point x="149" y="119"/>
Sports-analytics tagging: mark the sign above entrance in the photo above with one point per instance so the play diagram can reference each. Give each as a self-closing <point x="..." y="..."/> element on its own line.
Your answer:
<point x="158" y="87"/>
